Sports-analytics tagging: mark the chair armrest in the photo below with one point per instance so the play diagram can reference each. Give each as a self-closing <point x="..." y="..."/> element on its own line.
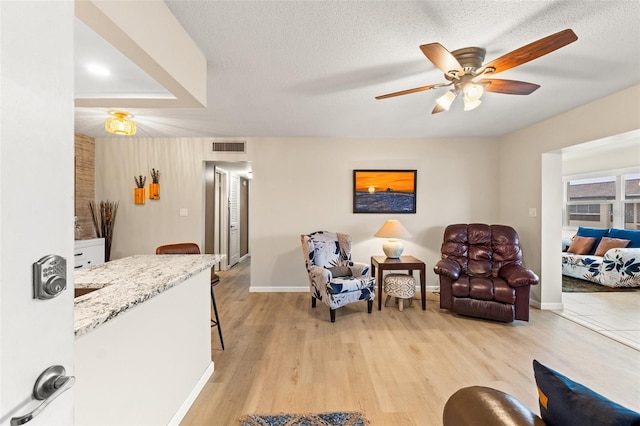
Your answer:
<point x="479" y="405"/>
<point x="360" y="269"/>
<point x="518" y="275"/>
<point x="321" y="273"/>
<point x="448" y="267"/>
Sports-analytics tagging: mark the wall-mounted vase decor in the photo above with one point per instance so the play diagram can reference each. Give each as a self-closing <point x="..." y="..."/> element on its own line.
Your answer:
<point x="154" y="186"/>
<point x="138" y="193"/>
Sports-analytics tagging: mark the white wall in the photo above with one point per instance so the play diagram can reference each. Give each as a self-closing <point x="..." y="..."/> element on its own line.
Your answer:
<point x="305" y="185"/>
<point x="299" y="186"/>
<point x="521" y="170"/>
<point x="612" y="153"/>
<point x="139" y="229"/>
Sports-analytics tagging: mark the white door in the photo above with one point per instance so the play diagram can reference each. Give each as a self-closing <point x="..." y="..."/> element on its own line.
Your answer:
<point x="220" y="218"/>
<point x="36" y="200"/>
<point x="234" y="220"/>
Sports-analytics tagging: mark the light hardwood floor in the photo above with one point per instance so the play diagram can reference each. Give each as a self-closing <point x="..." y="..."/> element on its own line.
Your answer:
<point x="615" y="315"/>
<point x="398" y="368"/>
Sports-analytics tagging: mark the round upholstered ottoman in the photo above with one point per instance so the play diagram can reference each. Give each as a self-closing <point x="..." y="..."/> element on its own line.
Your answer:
<point x="400" y="286"/>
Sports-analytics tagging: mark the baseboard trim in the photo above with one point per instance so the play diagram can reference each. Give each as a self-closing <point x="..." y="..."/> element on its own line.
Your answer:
<point x="182" y="410"/>
<point x="551" y="306"/>
<point x="291" y="289"/>
<point x="554" y="306"/>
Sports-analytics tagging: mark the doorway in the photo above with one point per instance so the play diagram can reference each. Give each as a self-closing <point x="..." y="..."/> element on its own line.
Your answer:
<point x="227" y="189"/>
<point x="606" y="313"/>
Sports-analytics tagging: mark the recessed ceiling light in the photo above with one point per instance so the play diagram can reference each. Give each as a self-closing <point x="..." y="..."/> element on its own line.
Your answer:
<point x="98" y="70"/>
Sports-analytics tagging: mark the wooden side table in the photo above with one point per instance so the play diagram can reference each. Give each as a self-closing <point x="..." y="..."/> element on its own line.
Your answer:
<point x="379" y="264"/>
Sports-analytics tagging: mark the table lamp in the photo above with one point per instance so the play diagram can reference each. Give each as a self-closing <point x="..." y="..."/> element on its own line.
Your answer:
<point x="392" y="230"/>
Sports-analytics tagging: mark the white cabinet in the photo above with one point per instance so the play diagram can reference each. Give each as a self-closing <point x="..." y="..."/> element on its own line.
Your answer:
<point x="89" y="253"/>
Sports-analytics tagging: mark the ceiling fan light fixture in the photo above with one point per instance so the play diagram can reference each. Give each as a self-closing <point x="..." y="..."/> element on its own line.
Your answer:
<point x="469" y="105"/>
<point x="447" y="99"/>
<point x="118" y="124"/>
<point x="473" y="92"/>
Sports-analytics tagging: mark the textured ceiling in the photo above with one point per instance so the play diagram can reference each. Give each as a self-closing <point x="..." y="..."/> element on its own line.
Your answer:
<point x="313" y="68"/>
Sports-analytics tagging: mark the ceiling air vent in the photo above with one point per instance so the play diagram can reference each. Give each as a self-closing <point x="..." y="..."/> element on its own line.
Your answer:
<point x="239" y="147"/>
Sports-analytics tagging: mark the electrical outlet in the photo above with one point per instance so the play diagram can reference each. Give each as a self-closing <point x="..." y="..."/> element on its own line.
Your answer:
<point x="184" y="212"/>
<point x="532" y="212"/>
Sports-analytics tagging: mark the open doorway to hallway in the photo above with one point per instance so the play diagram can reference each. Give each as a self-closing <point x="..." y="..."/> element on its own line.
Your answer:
<point x="227" y="195"/>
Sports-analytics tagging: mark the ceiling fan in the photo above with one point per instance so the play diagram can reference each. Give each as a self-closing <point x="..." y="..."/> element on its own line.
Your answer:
<point x="465" y="73"/>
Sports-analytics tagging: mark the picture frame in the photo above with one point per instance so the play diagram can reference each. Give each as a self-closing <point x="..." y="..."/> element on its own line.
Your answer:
<point x="384" y="191"/>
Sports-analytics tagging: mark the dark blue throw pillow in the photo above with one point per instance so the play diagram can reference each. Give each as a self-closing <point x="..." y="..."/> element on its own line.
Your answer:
<point x="564" y="402"/>
<point x="596" y="233"/>
<point x="626" y="234"/>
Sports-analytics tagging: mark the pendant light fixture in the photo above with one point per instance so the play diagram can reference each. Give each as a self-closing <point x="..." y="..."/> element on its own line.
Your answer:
<point x="118" y="124"/>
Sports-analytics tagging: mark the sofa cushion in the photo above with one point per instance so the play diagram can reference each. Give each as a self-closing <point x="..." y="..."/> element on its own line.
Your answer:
<point x="626" y="234"/>
<point x="502" y="292"/>
<point x="481" y="288"/>
<point x="564" y="402"/>
<point x="607" y="243"/>
<point x="581" y="245"/>
<point x="596" y="233"/>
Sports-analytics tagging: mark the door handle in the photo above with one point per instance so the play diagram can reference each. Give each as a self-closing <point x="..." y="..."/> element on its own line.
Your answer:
<point x="50" y="384"/>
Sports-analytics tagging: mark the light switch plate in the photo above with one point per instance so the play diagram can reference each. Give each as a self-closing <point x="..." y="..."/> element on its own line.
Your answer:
<point x="184" y="212"/>
<point x="533" y="212"/>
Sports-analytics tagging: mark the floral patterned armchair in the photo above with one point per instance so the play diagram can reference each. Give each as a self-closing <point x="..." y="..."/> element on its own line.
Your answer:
<point x="335" y="279"/>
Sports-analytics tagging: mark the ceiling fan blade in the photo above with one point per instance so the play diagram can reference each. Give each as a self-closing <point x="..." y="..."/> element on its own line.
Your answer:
<point x="442" y="58"/>
<point x="509" y="87"/>
<point x="406" y="92"/>
<point x="531" y="51"/>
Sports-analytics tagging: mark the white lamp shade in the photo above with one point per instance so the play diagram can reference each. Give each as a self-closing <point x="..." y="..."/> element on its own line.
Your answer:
<point x="447" y="99"/>
<point x="392" y="229"/>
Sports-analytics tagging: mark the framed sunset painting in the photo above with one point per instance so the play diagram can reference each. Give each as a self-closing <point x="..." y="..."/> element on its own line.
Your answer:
<point x="384" y="191"/>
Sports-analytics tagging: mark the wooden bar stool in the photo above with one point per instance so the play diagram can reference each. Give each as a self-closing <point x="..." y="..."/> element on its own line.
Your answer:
<point x="192" y="248"/>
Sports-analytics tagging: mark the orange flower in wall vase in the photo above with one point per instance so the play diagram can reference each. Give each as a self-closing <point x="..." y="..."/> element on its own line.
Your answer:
<point x="138" y="193"/>
<point x="154" y="187"/>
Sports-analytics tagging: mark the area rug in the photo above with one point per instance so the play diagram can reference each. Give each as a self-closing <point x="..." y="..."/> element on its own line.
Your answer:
<point x="339" y="418"/>
<point x="575" y="285"/>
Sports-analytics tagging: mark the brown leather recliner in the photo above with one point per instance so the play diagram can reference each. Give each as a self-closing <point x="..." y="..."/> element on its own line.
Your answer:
<point x="481" y="273"/>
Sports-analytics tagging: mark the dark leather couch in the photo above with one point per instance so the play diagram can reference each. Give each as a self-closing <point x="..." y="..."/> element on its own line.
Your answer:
<point x="481" y="273"/>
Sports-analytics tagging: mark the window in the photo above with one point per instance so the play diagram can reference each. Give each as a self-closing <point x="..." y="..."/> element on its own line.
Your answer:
<point x="589" y="202"/>
<point x="609" y="201"/>
<point x="632" y="201"/>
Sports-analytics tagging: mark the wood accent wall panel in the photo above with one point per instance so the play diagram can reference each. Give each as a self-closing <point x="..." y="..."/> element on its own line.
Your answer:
<point x="85" y="166"/>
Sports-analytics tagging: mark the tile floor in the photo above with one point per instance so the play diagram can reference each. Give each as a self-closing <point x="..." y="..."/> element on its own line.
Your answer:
<point x="615" y="315"/>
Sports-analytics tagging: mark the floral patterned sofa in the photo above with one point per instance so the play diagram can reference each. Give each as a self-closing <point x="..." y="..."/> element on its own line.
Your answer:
<point x="609" y="257"/>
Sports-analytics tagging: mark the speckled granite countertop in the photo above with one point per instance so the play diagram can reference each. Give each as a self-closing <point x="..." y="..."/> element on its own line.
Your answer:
<point x="127" y="282"/>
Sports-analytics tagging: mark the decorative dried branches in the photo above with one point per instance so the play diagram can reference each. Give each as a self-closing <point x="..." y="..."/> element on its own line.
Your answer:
<point x="104" y="218"/>
<point x="140" y="181"/>
<point x="155" y="176"/>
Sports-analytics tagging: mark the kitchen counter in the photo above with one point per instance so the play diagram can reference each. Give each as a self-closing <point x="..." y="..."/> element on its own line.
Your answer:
<point x="142" y="342"/>
<point x="127" y="282"/>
